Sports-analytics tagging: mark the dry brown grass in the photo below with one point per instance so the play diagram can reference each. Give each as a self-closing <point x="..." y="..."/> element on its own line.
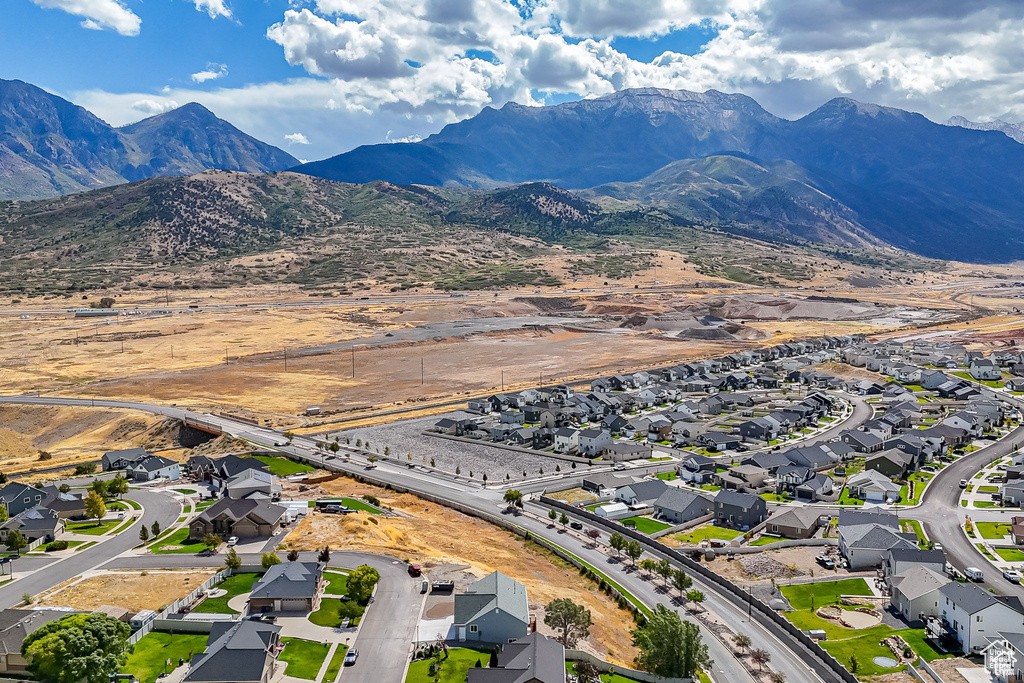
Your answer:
<point x="132" y="590"/>
<point x="430" y="534"/>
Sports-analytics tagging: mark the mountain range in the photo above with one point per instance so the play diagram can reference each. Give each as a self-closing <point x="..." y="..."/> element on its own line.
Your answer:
<point x="51" y="147"/>
<point x="848" y="172"/>
<point x="1014" y="131"/>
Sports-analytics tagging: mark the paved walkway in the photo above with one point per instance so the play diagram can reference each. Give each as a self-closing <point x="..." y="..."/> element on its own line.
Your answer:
<point x="237" y="603"/>
<point x="302" y="627"/>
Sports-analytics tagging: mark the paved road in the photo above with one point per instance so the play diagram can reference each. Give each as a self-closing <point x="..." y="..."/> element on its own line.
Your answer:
<point x="157" y="507"/>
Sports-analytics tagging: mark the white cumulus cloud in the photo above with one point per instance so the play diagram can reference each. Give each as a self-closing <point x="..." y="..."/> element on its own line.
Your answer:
<point x="211" y="73"/>
<point x="215" y="8"/>
<point x="153" y="107"/>
<point x="99" y="15"/>
<point x="297" y="139"/>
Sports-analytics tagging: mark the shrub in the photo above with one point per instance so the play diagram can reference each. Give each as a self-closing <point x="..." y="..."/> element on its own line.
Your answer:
<point x="56" y="545"/>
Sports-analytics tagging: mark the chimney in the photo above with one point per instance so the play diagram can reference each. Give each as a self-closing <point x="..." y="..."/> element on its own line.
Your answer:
<point x="533" y="625"/>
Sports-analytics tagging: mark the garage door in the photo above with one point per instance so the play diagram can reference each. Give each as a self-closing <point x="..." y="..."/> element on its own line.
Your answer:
<point x="294" y="605"/>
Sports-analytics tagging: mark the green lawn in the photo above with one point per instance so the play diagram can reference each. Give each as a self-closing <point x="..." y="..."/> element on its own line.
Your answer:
<point x="867" y="647"/>
<point x="337" y="583"/>
<point x="236" y="584"/>
<point x="328" y="615"/>
<point x="921" y="480"/>
<point x="985" y="504"/>
<point x="202" y="506"/>
<point x="668" y="476"/>
<point x="709" y="532"/>
<point x="303" y="657"/>
<point x="336" y="662"/>
<point x="453" y="669"/>
<point x="710" y="487"/>
<point x="92" y="528"/>
<point x="147" y="661"/>
<point x="847" y="499"/>
<point x="645" y="525"/>
<point x="775" y="497"/>
<point x="178" y="538"/>
<point x="765" y="540"/>
<point x="354" y="504"/>
<point x="915" y="526"/>
<point x="988" y="489"/>
<point x="283" y="467"/>
<point x="605" y="677"/>
<point x="187" y="492"/>
<point x="1010" y="554"/>
<point x="993" y="530"/>
<point x="823" y="593"/>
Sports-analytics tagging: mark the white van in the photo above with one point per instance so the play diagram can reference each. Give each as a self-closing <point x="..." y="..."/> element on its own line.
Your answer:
<point x="974" y="574"/>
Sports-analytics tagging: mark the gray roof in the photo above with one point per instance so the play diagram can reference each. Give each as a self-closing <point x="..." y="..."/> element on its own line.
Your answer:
<point x="918" y="581"/>
<point x="532" y="659"/>
<point x="969" y="597"/>
<point x="918" y="555"/>
<point x="851" y="517"/>
<point x="288" y="580"/>
<point x="647" y="490"/>
<point x="680" y="500"/>
<point x="740" y="500"/>
<point x="493" y="592"/>
<point x="17" y="624"/>
<point x="873" y="536"/>
<point x="798" y="518"/>
<point x="154" y="463"/>
<point x="237" y="509"/>
<point x="236" y="652"/>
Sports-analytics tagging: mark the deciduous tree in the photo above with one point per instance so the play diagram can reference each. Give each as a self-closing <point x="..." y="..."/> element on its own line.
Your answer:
<point x="78" y="648"/>
<point x="669" y="646"/>
<point x="361" y="582"/>
<point x="571" y="622"/>
<point x="94" y="506"/>
<point x="269" y="560"/>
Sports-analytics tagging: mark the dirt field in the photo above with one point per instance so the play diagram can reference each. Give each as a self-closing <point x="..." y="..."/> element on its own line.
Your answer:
<point x="433" y="535"/>
<point x="132" y="590"/>
<point x="71" y="434"/>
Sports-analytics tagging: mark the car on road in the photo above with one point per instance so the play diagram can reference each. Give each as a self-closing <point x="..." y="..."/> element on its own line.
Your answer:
<point x="963" y="483"/>
<point x="1012" y="575"/>
<point x="233" y="541"/>
<point x="415" y="570"/>
<point x="350" y="657"/>
<point x="937" y="546"/>
<point x="371" y="466"/>
<point x="618" y="467"/>
<point x="576" y="525"/>
<point x="974" y="574"/>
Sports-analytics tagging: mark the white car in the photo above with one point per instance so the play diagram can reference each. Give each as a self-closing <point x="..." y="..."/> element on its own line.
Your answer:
<point x="1012" y="575"/>
<point x="233" y="541"/>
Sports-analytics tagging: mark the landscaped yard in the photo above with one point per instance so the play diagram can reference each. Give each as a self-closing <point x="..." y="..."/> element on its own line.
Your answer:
<point x="801" y="595"/>
<point x="605" y="677"/>
<point x="843" y="642"/>
<point x="645" y="525"/>
<point x="915" y="526"/>
<point x="993" y="530"/>
<point x="146" y="663"/>
<point x="776" y="498"/>
<point x="1010" y="554"/>
<point x="706" y="533"/>
<point x="668" y="476"/>
<point x="236" y="584"/>
<point x="847" y="499"/>
<point x="920" y="480"/>
<point x="337" y="583"/>
<point x="177" y="543"/>
<point x="765" y="540"/>
<point x="303" y="657"/>
<point x="453" y="669"/>
<point x="92" y="528"/>
<point x="328" y="614"/>
<point x="283" y="467"/>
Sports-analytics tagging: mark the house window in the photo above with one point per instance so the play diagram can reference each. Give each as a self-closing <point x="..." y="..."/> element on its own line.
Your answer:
<point x="473" y="628"/>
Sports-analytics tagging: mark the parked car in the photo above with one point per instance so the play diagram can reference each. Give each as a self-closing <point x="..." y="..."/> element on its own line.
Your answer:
<point x="350" y="657"/>
<point x="233" y="541"/>
<point x="1012" y="575"/>
<point x="963" y="483"/>
<point x="265" y="618"/>
<point x="826" y="562"/>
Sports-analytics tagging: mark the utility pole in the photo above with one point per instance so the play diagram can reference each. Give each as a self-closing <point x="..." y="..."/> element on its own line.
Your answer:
<point x="421" y="370"/>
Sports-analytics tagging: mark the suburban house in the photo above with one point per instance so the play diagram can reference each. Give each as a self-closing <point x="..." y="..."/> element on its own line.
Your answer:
<point x="893" y="463"/>
<point x="642" y="493"/>
<point x="718" y="441"/>
<point x="118" y="460"/>
<point x="1013" y="492"/>
<point x="802" y="483"/>
<point x="243" y="518"/>
<point x="597" y="483"/>
<point x="739" y="510"/>
<point x="492" y="610"/>
<point x="594" y="442"/>
<point x="1004" y="657"/>
<point x="237" y="651"/>
<point x="795" y="523"/>
<point x="15" y="626"/>
<point x="902" y="559"/>
<point x="742" y="478"/>
<point x="253" y="484"/>
<point x="696" y="468"/>
<point x="288" y="587"/>
<point x="34" y="523"/>
<point x="865" y="538"/>
<point x="67" y="505"/>
<point x="983" y="369"/>
<point x="915" y="593"/>
<point x="567" y="439"/>
<point x="862" y="442"/>
<point x="18" y="497"/>
<point x="872" y="486"/>
<point x="153" y="467"/>
<point x="678" y="506"/>
<point x="971" y="615"/>
<point x="531" y="659"/>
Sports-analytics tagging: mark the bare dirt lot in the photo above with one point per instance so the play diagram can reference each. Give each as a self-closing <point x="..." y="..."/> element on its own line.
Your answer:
<point x="432" y="535"/>
<point x="132" y="590"/>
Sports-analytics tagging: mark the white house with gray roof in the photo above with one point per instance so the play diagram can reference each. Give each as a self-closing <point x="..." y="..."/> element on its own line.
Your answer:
<point x="677" y="505"/>
<point x="866" y="538"/>
<point x="288" y="587"/>
<point x="972" y="616"/>
<point x="915" y="593"/>
<point x="873" y="487"/>
<point x="237" y="651"/>
<point x="492" y="610"/>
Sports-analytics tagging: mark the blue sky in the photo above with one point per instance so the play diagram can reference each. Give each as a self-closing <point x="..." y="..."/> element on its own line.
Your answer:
<point x="318" y="77"/>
